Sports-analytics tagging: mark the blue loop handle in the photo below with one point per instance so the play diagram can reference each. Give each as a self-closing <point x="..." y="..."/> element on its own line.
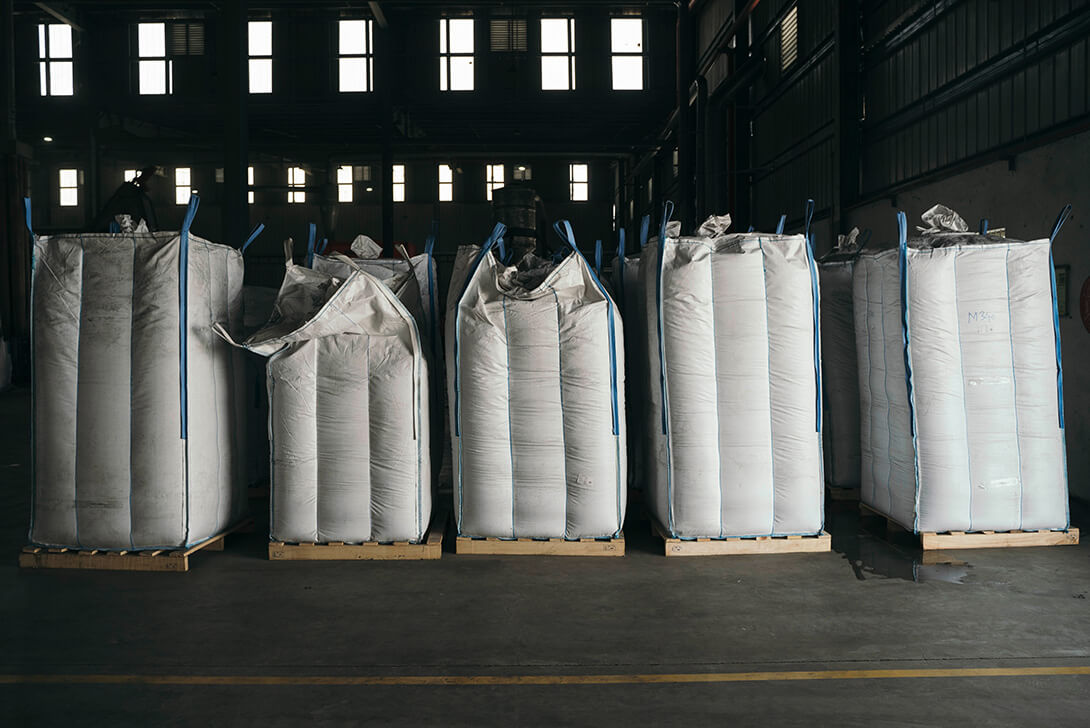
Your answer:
<point x="253" y="236"/>
<point x="190" y="212"/>
<point x="645" y="230"/>
<point x="598" y="257"/>
<point x="1064" y="214"/>
<point x="564" y="230"/>
<point x="312" y="231"/>
<point x="667" y="214"/>
<point x="429" y="242"/>
<point x="114" y="227"/>
<point x="751" y="229"/>
<point x="983" y="226"/>
<point x="809" y="218"/>
<point x="325" y="244"/>
<point x="621" y="246"/>
<point x="26" y="208"/>
<point x="781" y="224"/>
<point x="902" y="230"/>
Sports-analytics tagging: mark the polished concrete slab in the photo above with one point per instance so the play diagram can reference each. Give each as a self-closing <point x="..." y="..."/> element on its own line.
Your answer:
<point x="871" y="604"/>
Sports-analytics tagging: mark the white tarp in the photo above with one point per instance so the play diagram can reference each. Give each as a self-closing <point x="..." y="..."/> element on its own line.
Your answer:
<point x="536" y="389"/>
<point x="348" y="393"/>
<point x="736" y="451"/>
<point x="972" y="438"/>
<point x="139" y="434"/>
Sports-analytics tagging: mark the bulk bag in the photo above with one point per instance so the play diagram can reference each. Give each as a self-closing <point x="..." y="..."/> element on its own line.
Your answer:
<point x="840" y="375"/>
<point x="960" y="383"/>
<point x="138" y="428"/>
<point x="734" y="383"/>
<point x="536" y="386"/>
<point x="348" y="401"/>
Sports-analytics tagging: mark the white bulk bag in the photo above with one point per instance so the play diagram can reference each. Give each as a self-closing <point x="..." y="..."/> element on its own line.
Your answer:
<point x="348" y="393"/>
<point x="138" y="427"/>
<point x="536" y="386"/>
<point x="840" y="375"/>
<point x="733" y="383"/>
<point x="972" y="439"/>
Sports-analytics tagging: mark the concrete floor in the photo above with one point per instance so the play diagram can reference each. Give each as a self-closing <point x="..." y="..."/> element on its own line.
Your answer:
<point x="868" y="605"/>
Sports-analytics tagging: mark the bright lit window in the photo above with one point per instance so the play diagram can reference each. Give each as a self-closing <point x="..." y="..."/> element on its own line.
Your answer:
<point x="260" y="43"/>
<point x="55" y="59"/>
<point x="446" y="183"/>
<point x="523" y="173"/>
<point x="344" y="183"/>
<point x="626" y="43"/>
<point x="297" y="179"/>
<point x="399" y="182"/>
<point x="456" y="54"/>
<point x="69" y="187"/>
<point x="155" y="72"/>
<point x="558" y="54"/>
<point x="578" y="185"/>
<point x="131" y="174"/>
<point x="250" y="183"/>
<point x="183" y="185"/>
<point x="494" y="179"/>
<point x="789" y="38"/>
<point x="355" y="55"/>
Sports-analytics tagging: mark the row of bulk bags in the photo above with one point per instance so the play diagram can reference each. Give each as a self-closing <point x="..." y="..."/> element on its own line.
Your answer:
<point x="734" y="383"/>
<point x="138" y="430"/>
<point x="960" y="380"/>
<point x="536" y="390"/>
<point x="348" y="410"/>
<point x="840" y="380"/>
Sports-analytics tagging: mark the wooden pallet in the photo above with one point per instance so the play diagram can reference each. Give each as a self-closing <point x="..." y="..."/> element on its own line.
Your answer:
<point x="42" y="557"/>
<point x="430" y="548"/>
<point x="739" y="546"/>
<point x="931" y="541"/>
<point x="839" y="493"/>
<point x="541" y="547"/>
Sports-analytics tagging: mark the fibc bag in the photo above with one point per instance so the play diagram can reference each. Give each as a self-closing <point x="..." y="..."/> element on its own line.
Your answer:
<point x="348" y="399"/>
<point x="840" y="380"/>
<point x="960" y="380"/>
<point x="536" y="391"/>
<point x="138" y="427"/>
<point x="734" y="383"/>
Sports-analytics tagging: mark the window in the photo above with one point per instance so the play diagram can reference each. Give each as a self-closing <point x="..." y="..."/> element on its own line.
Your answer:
<point x="55" y="59"/>
<point x="297" y="180"/>
<point x="356" y="55"/>
<point x="677" y="166"/>
<point x="344" y="183"/>
<point x="626" y="42"/>
<point x="456" y="54"/>
<point x="250" y="183"/>
<point x="183" y="180"/>
<point x="399" y="182"/>
<point x="789" y="38"/>
<point x="260" y="43"/>
<point x="131" y="174"/>
<point x="69" y="187"/>
<point x="558" y="54"/>
<point x="155" y="73"/>
<point x="523" y="173"/>
<point x="493" y="179"/>
<point x="446" y="183"/>
<point x="578" y="186"/>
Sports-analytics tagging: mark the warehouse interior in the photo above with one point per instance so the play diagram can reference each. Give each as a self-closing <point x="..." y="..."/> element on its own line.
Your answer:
<point x="409" y="121"/>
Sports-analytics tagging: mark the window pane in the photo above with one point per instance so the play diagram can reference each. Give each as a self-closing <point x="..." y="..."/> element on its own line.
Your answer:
<point x="260" y="37"/>
<point x="578" y="173"/>
<point x="627" y="73"/>
<point x="579" y="191"/>
<point x="626" y="35"/>
<point x="352" y="36"/>
<point x="41" y="75"/>
<point x="181" y="177"/>
<point x="249" y="175"/>
<point x="153" y="77"/>
<point x="554" y="35"/>
<point x="130" y="175"/>
<point x="443" y="36"/>
<point x="495" y="173"/>
<point x="461" y="73"/>
<point x="181" y="195"/>
<point x="60" y="41"/>
<point x="445" y="174"/>
<point x="41" y="41"/>
<point x="399" y="192"/>
<point x="446" y="192"/>
<point x="353" y="74"/>
<point x="69" y="197"/>
<point x="261" y="75"/>
<point x="344" y="193"/>
<point x="399" y="173"/>
<point x="344" y="175"/>
<point x="555" y="73"/>
<point x="60" y="78"/>
<point x="151" y="40"/>
<point x="68" y="177"/>
<point x="461" y="35"/>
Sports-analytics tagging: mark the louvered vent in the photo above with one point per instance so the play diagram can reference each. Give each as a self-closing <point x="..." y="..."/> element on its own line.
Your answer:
<point x="508" y="35"/>
<point x="187" y="39"/>
<point x="789" y="38"/>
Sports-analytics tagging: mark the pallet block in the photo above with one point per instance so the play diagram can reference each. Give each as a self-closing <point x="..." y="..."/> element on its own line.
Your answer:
<point x="739" y="546"/>
<point x="541" y="547"/>
<point x="43" y="557"/>
<point x="428" y="549"/>
<point x="931" y="541"/>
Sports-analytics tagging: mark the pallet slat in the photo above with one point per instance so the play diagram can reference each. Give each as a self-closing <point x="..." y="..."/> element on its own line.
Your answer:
<point x="430" y="548"/>
<point x="931" y="541"/>
<point x="740" y="546"/>
<point x="544" y="547"/>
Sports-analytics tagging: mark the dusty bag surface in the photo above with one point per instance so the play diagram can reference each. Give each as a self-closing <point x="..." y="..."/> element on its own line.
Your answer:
<point x="536" y="386"/>
<point x="139" y="433"/>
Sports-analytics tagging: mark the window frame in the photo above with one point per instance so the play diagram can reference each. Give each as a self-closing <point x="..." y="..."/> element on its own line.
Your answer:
<point x="252" y="57"/>
<point x="183" y="189"/>
<point x="569" y="54"/>
<point x="167" y="59"/>
<point x="368" y="56"/>
<point x="46" y="60"/>
<point x="446" y="184"/>
<point x="297" y="182"/>
<point x="398" y="185"/>
<point x="491" y="184"/>
<point x="62" y="187"/>
<point x="574" y="184"/>
<point x="446" y="55"/>
<point x="615" y="55"/>
<point x="343" y="186"/>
